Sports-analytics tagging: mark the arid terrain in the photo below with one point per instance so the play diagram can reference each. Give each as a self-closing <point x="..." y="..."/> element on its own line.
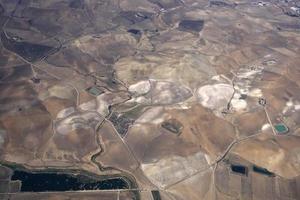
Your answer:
<point x="171" y="99"/>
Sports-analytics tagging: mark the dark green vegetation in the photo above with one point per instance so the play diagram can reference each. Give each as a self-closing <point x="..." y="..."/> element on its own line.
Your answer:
<point x="94" y="90"/>
<point x="134" y="31"/>
<point x="191" y="25"/>
<point x="239" y="169"/>
<point x="28" y="51"/>
<point x="166" y="4"/>
<point x="155" y="195"/>
<point x="262" y="171"/>
<point x="44" y="181"/>
<point x="121" y="122"/>
<point x="221" y="4"/>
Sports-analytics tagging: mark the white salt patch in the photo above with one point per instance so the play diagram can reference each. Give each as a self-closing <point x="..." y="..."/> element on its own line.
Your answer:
<point x="236" y="95"/>
<point x="289" y="103"/>
<point x="153" y="115"/>
<point x="239" y="104"/>
<point x="63" y="129"/>
<point x="255" y="93"/>
<point x="90" y="105"/>
<point x="265" y="127"/>
<point x="267" y="56"/>
<point x="215" y="96"/>
<point x="261" y="3"/>
<point x="169" y="93"/>
<point x="247" y="74"/>
<point x="102" y="105"/>
<point x="164" y="97"/>
<point x="141" y="100"/>
<point x="65" y="112"/>
<point x="295" y="9"/>
<point x="171" y="169"/>
<point x="140" y="88"/>
<point x="297" y="107"/>
<point x="216" y="78"/>
<point x="244" y="91"/>
<point x="237" y="87"/>
<point x="184" y="106"/>
<point x="208" y="159"/>
<point x="84" y="120"/>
